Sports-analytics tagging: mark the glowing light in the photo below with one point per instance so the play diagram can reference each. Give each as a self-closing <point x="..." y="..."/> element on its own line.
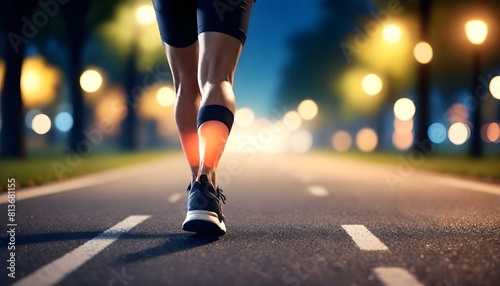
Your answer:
<point x="111" y="109"/>
<point x="372" y="84"/>
<point x="308" y="109"/>
<point x="145" y="14"/>
<point x="476" y="31"/>
<point x="402" y="141"/>
<point x="458" y="133"/>
<point x="165" y="96"/>
<point x="436" y="133"/>
<point x="493" y="132"/>
<point x="458" y="113"/>
<point x="28" y="119"/>
<point x="392" y="33"/>
<point x="64" y="121"/>
<point x="301" y="141"/>
<point x="423" y="53"/>
<point x="403" y="127"/>
<point x="341" y="141"/>
<point x="244" y="117"/>
<point x="90" y="81"/>
<point x="41" y="124"/>
<point x="367" y="140"/>
<point x="404" y="109"/>
<point x="495" y="87"/>
<point x="2" y="71"/>
<point x="292" y="120"/>
<point x="39" y="82"/>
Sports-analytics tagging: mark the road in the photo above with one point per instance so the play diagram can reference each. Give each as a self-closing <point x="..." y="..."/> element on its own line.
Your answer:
<point x="292" y="220"/>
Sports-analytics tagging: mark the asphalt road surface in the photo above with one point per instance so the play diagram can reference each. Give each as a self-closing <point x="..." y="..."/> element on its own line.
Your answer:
<point x="292" y="220"/>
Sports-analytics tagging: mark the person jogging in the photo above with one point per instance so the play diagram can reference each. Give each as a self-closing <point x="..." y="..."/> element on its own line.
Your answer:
<point x="203" y="40"/>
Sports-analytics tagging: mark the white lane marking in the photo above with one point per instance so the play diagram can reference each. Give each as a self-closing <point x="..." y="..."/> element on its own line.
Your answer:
<point x="394" y="276"/>
<point x="469" y="185"/>
<point x="57" y="270"/>
<point x="80" y="182"/>
<point x="364" y="238"/>
<point x="175" y="197"/>
<point x="318" y="191"/>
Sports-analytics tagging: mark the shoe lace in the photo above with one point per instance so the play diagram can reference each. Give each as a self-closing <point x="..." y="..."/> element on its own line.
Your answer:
<point x="221" y="196"/>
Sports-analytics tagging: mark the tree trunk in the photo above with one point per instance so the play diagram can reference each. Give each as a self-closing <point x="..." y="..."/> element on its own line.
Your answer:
<point x="476" y="147"/>
<point x="129" y="125"/>
<point x="75" y="15"/>
<point x="76" y="98"/>
<point x="422" y="102"/>
<point x="12" y="136"/>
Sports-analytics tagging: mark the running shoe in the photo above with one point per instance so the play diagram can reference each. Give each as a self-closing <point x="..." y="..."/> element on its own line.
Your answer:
<point x="204" y="214"/>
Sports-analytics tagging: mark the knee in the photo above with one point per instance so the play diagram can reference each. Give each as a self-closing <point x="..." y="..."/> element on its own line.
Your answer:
<point x="187" y="90"/>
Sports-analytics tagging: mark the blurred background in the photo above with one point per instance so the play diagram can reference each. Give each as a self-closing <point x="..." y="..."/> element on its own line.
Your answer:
<point x="78" y="77"/>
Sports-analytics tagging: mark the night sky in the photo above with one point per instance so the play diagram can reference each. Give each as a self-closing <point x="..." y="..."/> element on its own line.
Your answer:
<point x="266" y="50"/>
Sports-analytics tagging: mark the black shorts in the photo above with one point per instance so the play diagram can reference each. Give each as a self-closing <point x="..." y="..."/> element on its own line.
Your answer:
<point x="181" y="21"/>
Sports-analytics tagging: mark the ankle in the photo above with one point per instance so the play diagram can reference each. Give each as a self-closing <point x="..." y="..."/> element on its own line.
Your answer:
<point x="210" y="176"/>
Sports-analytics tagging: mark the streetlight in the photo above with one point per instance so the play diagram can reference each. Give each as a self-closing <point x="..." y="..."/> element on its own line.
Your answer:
<point x="392" y="33"/>
<point x="476" y="32"/>
<point x="372" y="84"/>
<point x="423" y="53"/>
<point x="145" y="14"/>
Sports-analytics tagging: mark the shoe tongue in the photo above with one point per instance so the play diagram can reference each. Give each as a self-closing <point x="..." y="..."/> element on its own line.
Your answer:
<point x="203" y="179"/>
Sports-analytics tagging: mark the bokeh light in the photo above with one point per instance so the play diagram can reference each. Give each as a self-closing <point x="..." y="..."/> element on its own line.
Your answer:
<point x="244" y="117"/>
<point x="495" y="87"/>
<point x="367" y="140"/>
<point x="301" y="141"/>
<point x="41" y="124"/>
<point x="436" y="133"/>
<point x="341" y="141"/>
<point x="372" y="84"/>
<point x="491" y="132"/>
<point x="423" y="52"/>
<point x="459" y="133"/>
<point x="165" y="96"/>
<point x="63" y="121"/>
<point x="111" y="109"/>
<point x="402" y="141"/>
<point x="476" y="31"/>
<point x="458" y="113"/>
<point x="308" y="109"/>
<point x="292" y="120"/>
<point x="403" y="126"/>
<point x="90" y="80"/>
<point x="145" y="14"/>
<point x="392" y="33"/>
<point x="2" y="71"/>
<point x="404" y="109"/>
<point x="39" y="82"/>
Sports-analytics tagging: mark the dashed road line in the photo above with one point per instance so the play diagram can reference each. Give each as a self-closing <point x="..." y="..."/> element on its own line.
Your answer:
<point x="395" y="276"/>
<point x="317" y="191"/>
<point x="175" y="197"/>
<point x="363" y="238"/>
<point x="57" y="270"/>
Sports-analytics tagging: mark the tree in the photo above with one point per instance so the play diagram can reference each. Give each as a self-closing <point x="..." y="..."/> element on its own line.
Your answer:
<point x="82" y="18"/>
<point x="12" y="136"/>
<point x="423" y="82"/>
<point x="319" y="56"/>
<point x="74" y="14"/>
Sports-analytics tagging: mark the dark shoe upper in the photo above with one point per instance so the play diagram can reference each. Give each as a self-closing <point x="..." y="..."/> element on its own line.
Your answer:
<point x="203" y="196"/>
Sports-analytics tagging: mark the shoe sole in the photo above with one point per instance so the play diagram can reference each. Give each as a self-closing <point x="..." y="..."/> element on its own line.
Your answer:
<point x="204" y="222"/>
